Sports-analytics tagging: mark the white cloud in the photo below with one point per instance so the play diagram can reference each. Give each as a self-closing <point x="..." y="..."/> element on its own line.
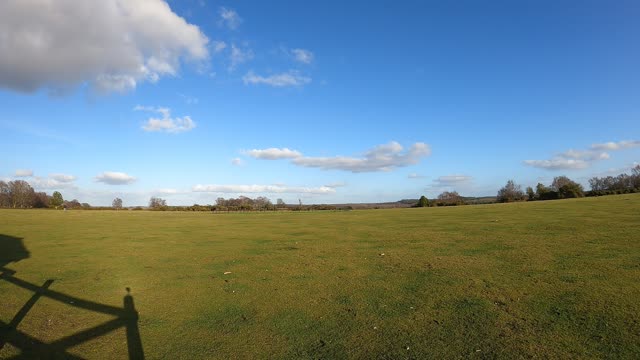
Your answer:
<point x="559" y="164"/>
<point x="381" y="158"/>
<point x="273" y="153"/>
<point x="190" y="100"/>
<point x="451" y="180"/>
<point x="626" y="144"/>
<point x="53" y="182"/>
<point x="415" y="176"/>
<point x="238" y="56"/>
<point x="115" y="178"/>
<point x="219" y="46"/>
<point x="581" y="159"/>
<point x="229" y="18"/>
<point x="63" y="178"/>
<point x="291" y="78"/>
<point x="584" y="155"/>
<point x="111" y="45"/>
<point x="336" y="184"/>
<point x="237" y="162"/>
<point x="302" y="56"/>
<point x="24" y="173"/>
<point x="167" y="191"/>
<point x="267" y="189"/>
<point x="166" y="123"/>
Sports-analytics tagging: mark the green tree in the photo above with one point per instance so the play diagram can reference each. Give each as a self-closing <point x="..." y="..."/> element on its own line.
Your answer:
<point x="56" y="199"/>
<point x="530" y="193"/>
<point x="423" y="202"/>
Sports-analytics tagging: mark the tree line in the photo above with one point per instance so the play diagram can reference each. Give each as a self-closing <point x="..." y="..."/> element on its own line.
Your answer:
<point x="561" y="187"/>
<point x="19" y="194"/>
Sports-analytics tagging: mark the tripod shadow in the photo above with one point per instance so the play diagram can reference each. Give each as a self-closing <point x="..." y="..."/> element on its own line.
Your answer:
<point x="11" y="250"/>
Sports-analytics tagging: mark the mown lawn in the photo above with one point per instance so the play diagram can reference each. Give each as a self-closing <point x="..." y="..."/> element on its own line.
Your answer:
<point x="555" y="279"/>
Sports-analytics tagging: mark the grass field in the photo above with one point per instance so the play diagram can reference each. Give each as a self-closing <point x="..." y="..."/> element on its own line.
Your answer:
<point x="555" y="279"/>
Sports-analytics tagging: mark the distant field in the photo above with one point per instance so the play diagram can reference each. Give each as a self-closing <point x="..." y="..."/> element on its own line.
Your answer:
<point x="555" y="279"/>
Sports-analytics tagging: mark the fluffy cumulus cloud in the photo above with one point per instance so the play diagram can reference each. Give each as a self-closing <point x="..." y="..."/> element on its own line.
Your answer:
<point x="115" y="178"/>
<point x="229" y="18"/>
<point x="264" y="189"/>
<point x="165" y="123"/>
<point x="273" y="153"/>
<point x="302" y="56"/>
<point x="384" y="157"/>
<point x="291" y="78"/>
<point x="24" y="173"/>
<point x="111" y="45"/>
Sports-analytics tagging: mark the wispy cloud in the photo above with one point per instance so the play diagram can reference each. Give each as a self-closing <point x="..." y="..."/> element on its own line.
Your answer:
<point x="266" y="189"/>
<point x="190" y="100"/>
<point x="229" y="18"/>
<point x="237" y="162"/>
<point x="625" y="144"/>
<point x="558" y="164"/>
<point x="302" y="56"/>
<point x="451" y="180"/>
<point x="168" y="191"/>
<point x="238" y="56"/>
<point x="273" y="153"/>
<point x="582" y="159"/>
<point x="586" y="155"/>
<point x="291" y="78"/>
<point x="24" y="173"/>
<point x="218" y="46"/>
<point x="53" y="182"/>
<point x="166" y="123"/>
<point x="115" y="178"/>
<point x="381" y="158"/>
<point x="63" y="178"/>
<point x="415" y="176"/>
<point x="336" y="184"/>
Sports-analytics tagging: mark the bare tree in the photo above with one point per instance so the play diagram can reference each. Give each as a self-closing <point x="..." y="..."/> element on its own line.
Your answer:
<point x="449" y="198"/>
<point x="5" y="195"/>
<point x="560" y="181"/>
<point x="510" y="192"/>
<point x="117" y="203"/>
<point x="41" y="200"/>
<point x="156" y="203"/>
<point x="21" y="194"/>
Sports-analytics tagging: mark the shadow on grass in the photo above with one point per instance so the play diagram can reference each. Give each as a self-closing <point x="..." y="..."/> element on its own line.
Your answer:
<point x="12" y="250"/>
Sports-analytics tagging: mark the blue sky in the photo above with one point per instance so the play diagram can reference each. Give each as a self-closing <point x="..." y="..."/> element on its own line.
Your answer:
<point x="326" y="102"/>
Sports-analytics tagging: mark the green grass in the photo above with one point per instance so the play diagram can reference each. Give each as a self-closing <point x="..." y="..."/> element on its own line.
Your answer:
<point x="555" y="279"/>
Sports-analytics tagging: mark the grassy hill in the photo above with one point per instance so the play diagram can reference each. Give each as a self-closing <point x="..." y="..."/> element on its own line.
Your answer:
<point x="554" y="279"/>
